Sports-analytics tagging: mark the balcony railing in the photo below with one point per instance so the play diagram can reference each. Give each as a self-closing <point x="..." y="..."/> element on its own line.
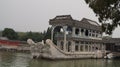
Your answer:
<point x="76" y="36"/>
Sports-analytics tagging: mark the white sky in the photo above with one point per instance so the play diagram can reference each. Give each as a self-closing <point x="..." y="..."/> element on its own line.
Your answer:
<point x="33" y="15"/>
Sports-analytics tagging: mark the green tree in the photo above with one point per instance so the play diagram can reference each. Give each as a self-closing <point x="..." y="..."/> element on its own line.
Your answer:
<point x="21" y="36"/>
<point x="108" y="12"/>
<point x="36" y="36"/>
<point x="9" y="33"/>
<point x="47" y="35"/>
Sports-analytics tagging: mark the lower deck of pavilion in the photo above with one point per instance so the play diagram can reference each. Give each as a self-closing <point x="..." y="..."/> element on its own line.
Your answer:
<point x="81" y="45"/>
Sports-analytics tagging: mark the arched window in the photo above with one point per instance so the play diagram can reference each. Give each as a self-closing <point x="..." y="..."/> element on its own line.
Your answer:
<point x="57" y="32"/>
<point x="69" y="30"/>
<point x="58" y="29"/>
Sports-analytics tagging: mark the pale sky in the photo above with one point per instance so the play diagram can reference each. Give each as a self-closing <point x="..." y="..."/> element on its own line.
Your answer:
<point x="33" y="15"/>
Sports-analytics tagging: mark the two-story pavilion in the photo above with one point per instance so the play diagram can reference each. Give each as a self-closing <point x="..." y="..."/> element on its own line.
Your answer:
<point x="76" y="36"/>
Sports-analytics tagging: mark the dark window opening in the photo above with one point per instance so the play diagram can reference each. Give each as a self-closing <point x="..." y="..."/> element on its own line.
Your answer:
<point x="81" y="48"/>
<point x="86" y="42"/>
<point x="82" y="30"/>
<point x="76" y="31"/>
<point x="58" y="29"/>
<point x="69" y="28"/>
<point x="93" y="35"/>
<point x="89" y="34"/>
<point x="76" y="47"/>
<point x="96" y="35"/>
<point x="77" y="42"/>
<point x="86" y="33"/>
<point x="86" y="47"/>
<point x="82" y="42"/>
<point x="57" y="33"/>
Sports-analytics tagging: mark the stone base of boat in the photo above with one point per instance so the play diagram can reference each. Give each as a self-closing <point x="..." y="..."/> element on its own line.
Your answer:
<point x="69" y="57"/>
<point x="56" y="53"/>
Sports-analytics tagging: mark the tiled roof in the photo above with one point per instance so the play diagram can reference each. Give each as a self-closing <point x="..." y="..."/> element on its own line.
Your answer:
<point x="69" y="21"/>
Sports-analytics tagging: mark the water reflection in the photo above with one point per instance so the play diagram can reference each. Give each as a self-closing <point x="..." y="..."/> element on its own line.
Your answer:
<point x="76" y="63"/>
<point x="8" y="59"/>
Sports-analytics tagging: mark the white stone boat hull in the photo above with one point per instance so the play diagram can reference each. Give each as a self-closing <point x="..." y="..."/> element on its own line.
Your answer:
<point x="56" y="53"/>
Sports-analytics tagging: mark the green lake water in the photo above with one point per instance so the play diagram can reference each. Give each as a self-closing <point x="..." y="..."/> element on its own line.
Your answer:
<point x="8" y="59"/>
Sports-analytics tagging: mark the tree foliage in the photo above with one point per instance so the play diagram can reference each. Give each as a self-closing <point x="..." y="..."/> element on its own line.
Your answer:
<point x="9" y="33"/>
<point x="108" y="12"/>
<point x="48" y="34"/>
<point x="23" y="36"/>
<point x="36" y="36"/>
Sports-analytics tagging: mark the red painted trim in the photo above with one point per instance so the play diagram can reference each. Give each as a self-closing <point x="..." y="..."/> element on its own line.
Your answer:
<point x="8" y="42"/>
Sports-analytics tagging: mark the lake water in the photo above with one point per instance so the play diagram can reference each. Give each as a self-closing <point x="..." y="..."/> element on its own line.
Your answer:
<point x="8" y="59"/>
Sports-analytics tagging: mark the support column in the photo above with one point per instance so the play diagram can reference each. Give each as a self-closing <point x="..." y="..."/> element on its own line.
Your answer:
<point x="94" y="47"/>
<point x="73" y="31"/>
<point x="91" y="33"/>
<point x="91" y="48"/>
<point x="99" y="34"/>
<point x="95" y="34"/>
<point x="88" y="32"/>
<point x="79" y="47"/>
<point x="79" y="31"/>
<point x="59" y="44"/>
<point x="83" y="32"/>
<point x="73" y="46"/>
<point x="103" y="47"/>
<point x="64" y="28"/>
<point x="84" y="47"/>
<point x="52" y="32"/>
<point x="99" y="47"/>
<point x="66" y="47"/>
<point x="88" y="48"/>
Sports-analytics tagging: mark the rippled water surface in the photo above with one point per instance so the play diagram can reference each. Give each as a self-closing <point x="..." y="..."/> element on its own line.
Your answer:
<point x="8" y="59"/>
